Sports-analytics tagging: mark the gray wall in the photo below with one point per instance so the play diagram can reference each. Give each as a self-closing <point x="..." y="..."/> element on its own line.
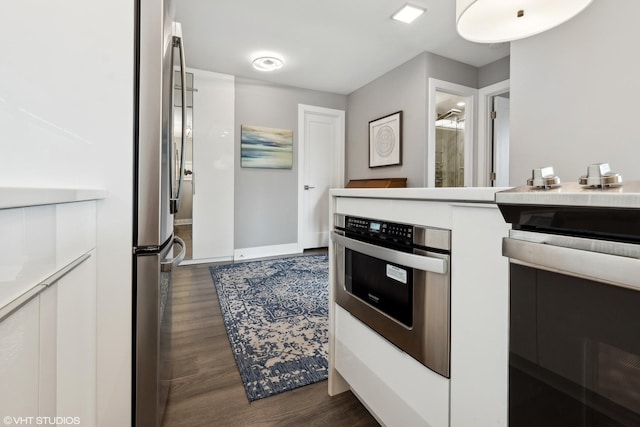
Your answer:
<point x="575" y="92"/>
<point x="494" y="72"/>
<point x="403" y="88"/>
<point x="266" y="200"/>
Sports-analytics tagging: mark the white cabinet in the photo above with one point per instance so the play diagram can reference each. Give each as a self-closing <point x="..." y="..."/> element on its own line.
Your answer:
<point x="76" y="343"/>
<point x="396" y="388"/>
<point x="213" y="165"/>
<point x="48" y="370"/>
<point x="19" y="360"/>
<point x="48" y="351"/>
<point x="48" y="322"/>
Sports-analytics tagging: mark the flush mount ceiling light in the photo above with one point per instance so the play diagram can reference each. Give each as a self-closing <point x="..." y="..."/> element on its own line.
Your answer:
<point x="495" y="21"/>
<point x="408" y="13"/>
<point x="267" y="63"/>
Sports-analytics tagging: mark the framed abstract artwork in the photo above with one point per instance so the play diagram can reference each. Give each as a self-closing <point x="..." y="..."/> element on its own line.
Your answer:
<point x="385" y="141"/>
<point x="262" y="147"/>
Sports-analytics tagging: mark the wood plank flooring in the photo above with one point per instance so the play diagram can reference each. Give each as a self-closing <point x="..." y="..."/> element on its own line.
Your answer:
<point x="207" y="390"/>
<point x="185" y="233"/>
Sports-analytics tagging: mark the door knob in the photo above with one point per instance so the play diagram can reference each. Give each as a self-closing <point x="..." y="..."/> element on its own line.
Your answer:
<point x="306" y="187"/>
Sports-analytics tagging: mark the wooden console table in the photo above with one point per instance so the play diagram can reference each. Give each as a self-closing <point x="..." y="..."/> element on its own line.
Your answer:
<point x="378" y="183"/>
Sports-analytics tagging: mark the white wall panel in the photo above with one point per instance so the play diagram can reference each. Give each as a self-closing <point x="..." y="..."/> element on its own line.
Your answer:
<point x="63" y="93"/>
<point x="574" y="95"/>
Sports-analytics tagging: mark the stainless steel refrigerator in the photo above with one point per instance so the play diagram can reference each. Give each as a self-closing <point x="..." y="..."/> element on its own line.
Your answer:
<point x="158" y="177"/>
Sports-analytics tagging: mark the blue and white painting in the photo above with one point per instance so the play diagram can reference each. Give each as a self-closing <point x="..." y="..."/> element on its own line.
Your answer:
<point x="263" y="147"/>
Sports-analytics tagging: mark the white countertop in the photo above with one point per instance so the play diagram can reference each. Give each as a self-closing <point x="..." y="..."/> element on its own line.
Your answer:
<point x="18" y="197"/>
<point x="573" y="194"/>
<point x="458" y="194"/>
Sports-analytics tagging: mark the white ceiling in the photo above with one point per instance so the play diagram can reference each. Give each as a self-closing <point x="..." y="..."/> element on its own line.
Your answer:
<point x="334" y="46"/>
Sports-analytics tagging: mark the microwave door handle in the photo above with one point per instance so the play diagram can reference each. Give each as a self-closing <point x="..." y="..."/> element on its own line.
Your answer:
<point x="178" y="41"/>
<point x="420" y="262"/>
<point x="606" y="268"/>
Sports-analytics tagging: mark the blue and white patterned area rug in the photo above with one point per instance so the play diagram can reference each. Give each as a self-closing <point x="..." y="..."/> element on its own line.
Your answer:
<point x="276" y="316"/>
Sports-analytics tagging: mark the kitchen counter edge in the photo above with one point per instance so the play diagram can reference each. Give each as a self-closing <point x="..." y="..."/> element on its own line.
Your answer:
<point x="20" y="197"/>
<point x="458" y="194"/>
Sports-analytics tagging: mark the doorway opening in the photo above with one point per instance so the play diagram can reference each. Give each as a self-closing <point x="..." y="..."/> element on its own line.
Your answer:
<point x="493" y="135"/>
<point x="450" y="137"/>
<point x="183" y="219"/>
<point x="500" y="140"/>
<point x="450" y="142"/>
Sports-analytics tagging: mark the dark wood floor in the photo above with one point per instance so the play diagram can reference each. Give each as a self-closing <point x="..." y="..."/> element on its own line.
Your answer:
<point x="185" y="233"/>
<point x="207" y="390"/>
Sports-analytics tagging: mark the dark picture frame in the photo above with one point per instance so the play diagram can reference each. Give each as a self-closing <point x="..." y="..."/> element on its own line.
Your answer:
<point x="385" y="140"/>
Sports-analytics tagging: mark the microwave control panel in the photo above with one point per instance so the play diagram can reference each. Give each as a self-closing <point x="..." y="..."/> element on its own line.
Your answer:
<point x="380" y="229"/>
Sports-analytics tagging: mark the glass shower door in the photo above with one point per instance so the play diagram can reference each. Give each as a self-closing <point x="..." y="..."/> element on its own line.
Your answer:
<point x="450" y="140"/>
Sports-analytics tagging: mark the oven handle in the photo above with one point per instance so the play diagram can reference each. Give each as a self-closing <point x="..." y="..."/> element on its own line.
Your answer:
<point x="419" y="262"/>
<point x="612" y="269"/>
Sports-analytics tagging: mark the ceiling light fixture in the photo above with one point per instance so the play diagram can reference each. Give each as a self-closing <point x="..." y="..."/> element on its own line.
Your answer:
<point x="495" y="21"/>
<point x="408" y="13"/>
<point x="267" y="63"/>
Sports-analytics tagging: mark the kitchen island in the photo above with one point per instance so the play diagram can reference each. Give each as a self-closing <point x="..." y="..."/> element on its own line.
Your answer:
<point x="394" y="386"/>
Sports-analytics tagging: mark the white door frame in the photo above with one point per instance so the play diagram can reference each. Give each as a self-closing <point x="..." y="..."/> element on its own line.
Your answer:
<point x="485" y="97"/>
<point x="470" y="94"/>
<point x="337" y="156"/>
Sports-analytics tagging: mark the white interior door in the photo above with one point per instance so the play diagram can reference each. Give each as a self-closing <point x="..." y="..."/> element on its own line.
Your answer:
<point x="321" y="154"/>
<point x="501" y="140"/>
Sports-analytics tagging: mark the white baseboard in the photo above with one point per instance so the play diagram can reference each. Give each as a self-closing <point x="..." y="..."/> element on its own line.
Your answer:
<point x="185" y="221"/>
<point x="265" y="251"/>
<point x="206" y="260"/>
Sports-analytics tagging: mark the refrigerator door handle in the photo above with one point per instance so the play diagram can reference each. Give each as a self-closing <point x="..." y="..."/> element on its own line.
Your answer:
<point x="178" y="41"/>
<point x="169" y="265"/>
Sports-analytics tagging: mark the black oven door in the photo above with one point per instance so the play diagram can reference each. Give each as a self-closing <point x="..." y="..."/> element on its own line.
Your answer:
<point x="574" y="351"/>
<point x="386" y="286"/>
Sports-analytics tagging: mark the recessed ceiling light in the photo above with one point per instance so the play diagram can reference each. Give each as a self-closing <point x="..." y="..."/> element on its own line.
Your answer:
<point x="267" y="63"/>
<point x="460" y="104"/>
<point x="408" y="13"/>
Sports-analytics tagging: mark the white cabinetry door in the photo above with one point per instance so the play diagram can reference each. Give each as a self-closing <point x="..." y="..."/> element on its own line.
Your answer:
<point x="19" y="358"/>
<point x="48" y="350"/>
<point x="213" y="165"/>
<point x="397" y="389"/>
<point x="76" y="343"/>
